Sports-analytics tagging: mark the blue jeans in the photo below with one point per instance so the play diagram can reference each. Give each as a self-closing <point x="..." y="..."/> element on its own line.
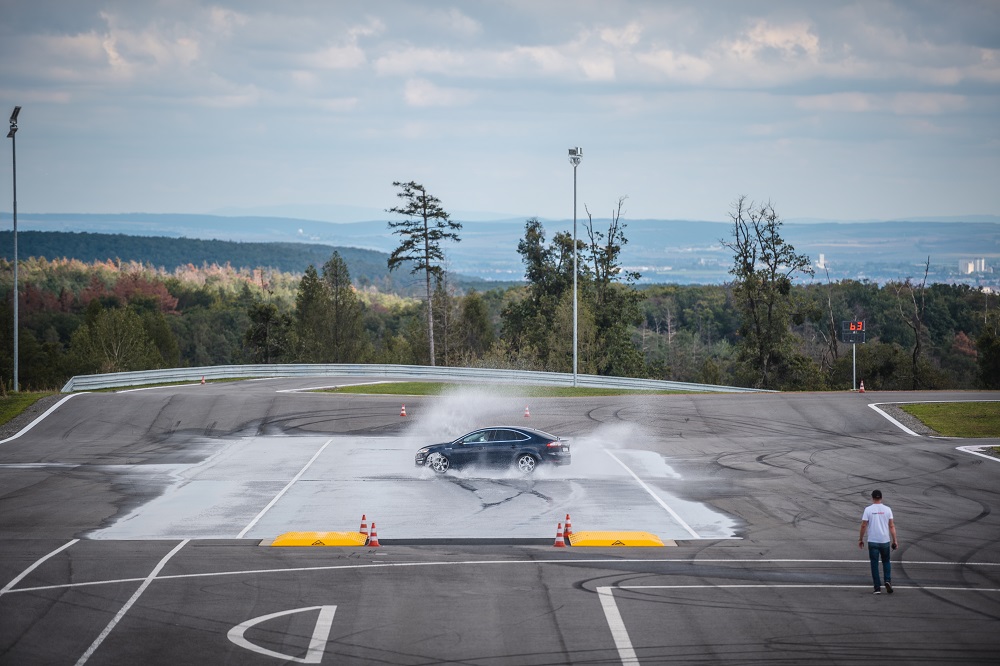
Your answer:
<point x="876" y="551"/>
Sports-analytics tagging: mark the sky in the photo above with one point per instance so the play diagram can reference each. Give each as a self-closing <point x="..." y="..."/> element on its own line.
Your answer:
<point x="874" y="109"/>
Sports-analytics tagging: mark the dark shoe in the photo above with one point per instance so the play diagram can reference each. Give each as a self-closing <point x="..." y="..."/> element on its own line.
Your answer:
<point x="888" y="587"/>
<point x="878" y="590"/>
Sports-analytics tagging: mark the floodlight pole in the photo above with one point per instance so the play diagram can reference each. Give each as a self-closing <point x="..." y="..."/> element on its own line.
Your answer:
<point x="575" y="155"/>
<point x="13" y="152"/>
<point x="854" y="366"/>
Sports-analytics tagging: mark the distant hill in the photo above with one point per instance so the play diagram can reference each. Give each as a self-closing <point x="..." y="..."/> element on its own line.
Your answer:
<point x="366" y="266"/>
<point x="680" y="251"/>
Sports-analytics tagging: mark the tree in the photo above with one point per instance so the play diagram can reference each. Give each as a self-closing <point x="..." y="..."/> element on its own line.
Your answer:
<point x="763" y="267"/>
<point x="474" y="325"/>
<point x="988" y="346"/>
<point x="914" y="319"/>
<point x="425" y="226"/>
<point x="266" y="339"/>
<point x="312" y="319"/>
<point x="114" y="340"/>
<point x="616" y="303"/>
<point x="348" y="340"/>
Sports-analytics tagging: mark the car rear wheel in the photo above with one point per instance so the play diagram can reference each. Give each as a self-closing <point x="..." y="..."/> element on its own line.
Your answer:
<point x="438" y="462"/>
<point x="526" y="463"/>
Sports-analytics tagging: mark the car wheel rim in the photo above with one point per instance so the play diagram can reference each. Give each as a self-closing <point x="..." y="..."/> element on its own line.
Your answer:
<point x="526" y="464"/>
<point x="438" y="462"/>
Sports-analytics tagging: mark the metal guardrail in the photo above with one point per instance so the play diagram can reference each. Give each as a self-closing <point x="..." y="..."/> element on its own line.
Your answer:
<point x="169" y="375"/>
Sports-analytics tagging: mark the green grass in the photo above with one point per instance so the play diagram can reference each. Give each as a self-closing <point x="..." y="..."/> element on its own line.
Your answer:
<point x="12" y="404"/>
<point x="958" y="419"/>
<point x="529" y="391"/>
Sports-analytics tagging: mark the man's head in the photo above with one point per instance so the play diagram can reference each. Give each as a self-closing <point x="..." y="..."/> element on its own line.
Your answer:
<point x="877" y="495"/>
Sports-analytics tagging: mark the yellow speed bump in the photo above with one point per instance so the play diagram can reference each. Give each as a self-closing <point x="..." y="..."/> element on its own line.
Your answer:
<point x="320" y="539"/>
<point x="614" y="539"/>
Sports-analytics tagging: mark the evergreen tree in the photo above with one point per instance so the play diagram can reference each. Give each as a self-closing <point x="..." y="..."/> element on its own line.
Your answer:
<point x="425" y="226"/>
<point x="312" y="319"/>
<point x="348" y="339"/>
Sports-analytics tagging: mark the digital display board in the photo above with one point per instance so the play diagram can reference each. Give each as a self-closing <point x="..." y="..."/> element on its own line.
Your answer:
<point x="853" y="331"/>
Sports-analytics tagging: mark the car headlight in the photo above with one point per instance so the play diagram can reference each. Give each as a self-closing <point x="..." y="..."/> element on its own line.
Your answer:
<point x="424" y="450"/>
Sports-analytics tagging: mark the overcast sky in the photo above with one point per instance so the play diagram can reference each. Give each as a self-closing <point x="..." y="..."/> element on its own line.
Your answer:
<point x="838" y="110"/>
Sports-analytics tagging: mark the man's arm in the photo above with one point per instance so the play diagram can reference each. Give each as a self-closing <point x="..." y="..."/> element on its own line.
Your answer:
<point x="892" y="532"/>
<point x="864" y="526"/>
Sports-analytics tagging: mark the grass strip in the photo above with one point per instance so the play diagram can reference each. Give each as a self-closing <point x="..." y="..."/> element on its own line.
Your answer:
<point x="13" y="404"/>
<point x="529" y="391"/>
<point x="958" y="419"/>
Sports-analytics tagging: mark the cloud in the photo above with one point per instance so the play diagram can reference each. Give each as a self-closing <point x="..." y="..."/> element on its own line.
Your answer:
<point x="423" y="93"/>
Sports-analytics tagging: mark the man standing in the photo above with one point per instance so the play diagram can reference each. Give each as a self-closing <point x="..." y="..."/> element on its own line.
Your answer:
<point x="877" y="521"/>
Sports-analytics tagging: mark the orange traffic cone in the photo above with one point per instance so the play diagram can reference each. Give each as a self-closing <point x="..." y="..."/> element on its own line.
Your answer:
<point x="527" y="414"/>
<point x="364" y="525"/>
<point x="862" y="389"/>
<point x="203" y="379"/>
<point x="402" y="412"/>
<point x="569" y="528"/>
<point x="373" y="539"/>
<point x="560" y="542"/>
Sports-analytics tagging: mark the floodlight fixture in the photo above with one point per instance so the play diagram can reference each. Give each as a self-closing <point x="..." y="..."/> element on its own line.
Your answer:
<point x="13" y="122"/>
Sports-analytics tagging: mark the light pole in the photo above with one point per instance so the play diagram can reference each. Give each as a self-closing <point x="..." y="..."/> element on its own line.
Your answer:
<point x="575" y="155"/>
<point x="13" y="152"/>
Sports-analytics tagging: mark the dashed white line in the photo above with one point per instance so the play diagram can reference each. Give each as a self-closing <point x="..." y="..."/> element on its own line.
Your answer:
<point x="283" y="491"/>
<point x="128" y="604"/>
<point x="656" y="497"/>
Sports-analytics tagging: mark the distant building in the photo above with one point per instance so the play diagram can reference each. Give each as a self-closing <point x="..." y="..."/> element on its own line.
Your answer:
<point x="821" y="264"/>
<point x="969" y="266"/>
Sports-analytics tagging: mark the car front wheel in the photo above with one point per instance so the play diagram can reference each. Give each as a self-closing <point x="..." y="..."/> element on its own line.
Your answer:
<point x="438" y="462"/>
<point x="526" y="463"/>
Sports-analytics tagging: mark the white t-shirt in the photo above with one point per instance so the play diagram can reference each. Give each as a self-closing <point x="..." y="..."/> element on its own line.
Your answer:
<point x="878" y="517"/>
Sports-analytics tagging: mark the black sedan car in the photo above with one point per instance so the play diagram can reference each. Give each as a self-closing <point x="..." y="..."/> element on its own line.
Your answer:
<point x="500" y="446"/>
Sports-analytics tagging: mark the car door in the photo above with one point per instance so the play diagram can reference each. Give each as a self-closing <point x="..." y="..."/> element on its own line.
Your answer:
<point x="469" y="449"/>
<point x="502" y="446"/>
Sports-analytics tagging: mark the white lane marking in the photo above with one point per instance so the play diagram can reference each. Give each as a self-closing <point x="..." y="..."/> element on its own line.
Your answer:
<point x="973" y="450"/>
<point x="7" y="588"/>
<point x="128" y="604"/>
<point x="384" y="565"/>
<point x="655" y="496"/>
<point x="333" y="386"/>
<point x="283" y="491"/>
<point x="317" y="644"/>
<point x="874" y="405"/>
<point x="936" y="588"/>
<point x="622" y="641"/>
<point x="39" y="419"/>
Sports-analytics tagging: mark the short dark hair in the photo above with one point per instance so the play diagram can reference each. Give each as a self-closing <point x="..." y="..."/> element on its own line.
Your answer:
<point x="876" y="494"/>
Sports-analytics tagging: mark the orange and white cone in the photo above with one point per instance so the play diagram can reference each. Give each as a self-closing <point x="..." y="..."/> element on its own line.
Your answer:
<point x="203" y="379"/>
<point x="560" y="541"/>
<point x="569" y="528"/>
<point x="527" y="414"/>
<point x="402" y="412"/>
<point x="373" y="539"/>
<point x="862" y="389"/>
<point x="364" y="525"/>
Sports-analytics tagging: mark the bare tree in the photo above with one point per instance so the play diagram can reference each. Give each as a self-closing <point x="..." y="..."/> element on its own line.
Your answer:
<point x="914" y="318"/>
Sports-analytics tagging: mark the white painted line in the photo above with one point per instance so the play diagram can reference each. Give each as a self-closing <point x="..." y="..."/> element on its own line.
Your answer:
<point x="317" y="644"/>
<point x="974" y="451"/>
<point x="39" y="419"/>
<point x="891" y="420"/>
<point x="128" y="604"/>
<point x="804" y="587"/>
<point x="531" y="562"/>
<point x="655" y="497"/>
<point x="334" y="386"/>
<point x="617" y="626"/>
<point x="283" y="491"/>
<point x="9" y="586"/>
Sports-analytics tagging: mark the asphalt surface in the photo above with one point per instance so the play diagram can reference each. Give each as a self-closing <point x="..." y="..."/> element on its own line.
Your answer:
<point x="134" y="529"/>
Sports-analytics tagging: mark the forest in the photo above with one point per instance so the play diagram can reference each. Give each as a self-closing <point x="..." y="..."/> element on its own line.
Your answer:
<point x="85" y="316"/>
